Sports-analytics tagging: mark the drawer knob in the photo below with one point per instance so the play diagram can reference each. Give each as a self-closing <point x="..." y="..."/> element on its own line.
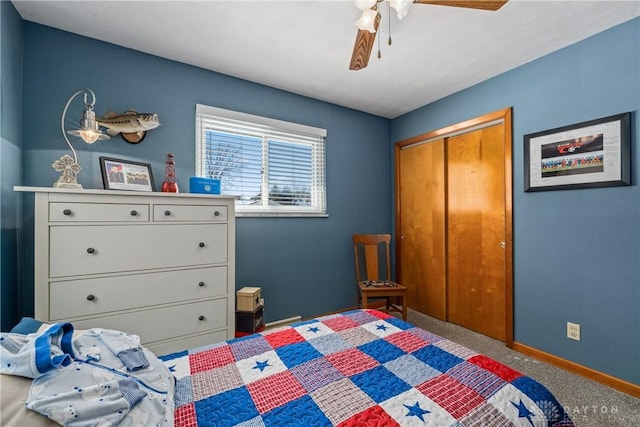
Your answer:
<point x="67" y="212"/>
<point x="216" y="213"/>
<point x="91" y="297"/>
<point x="201" y="317"/>
<point x="167" y="213"/>
<point x="201" y="244"/>
<point x="91" y="251"/>
<point x="134" y="213"/>
<point x="201" y="284"/>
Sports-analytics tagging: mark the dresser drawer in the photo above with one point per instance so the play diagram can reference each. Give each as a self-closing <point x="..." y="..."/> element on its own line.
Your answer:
<point x="98" y="212"/>
<point x="74" y="298"/>
<point x="84" y="249"/>
<point x="189" y="213"/>
<point x="165" y="323"/>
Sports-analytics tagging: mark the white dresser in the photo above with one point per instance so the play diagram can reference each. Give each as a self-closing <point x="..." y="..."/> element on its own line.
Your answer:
<point x="159" y="265"/>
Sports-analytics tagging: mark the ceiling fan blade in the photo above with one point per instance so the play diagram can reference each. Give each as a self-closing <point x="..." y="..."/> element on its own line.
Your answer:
<point x="471" y="4"/>
<point x="363" y="46"/>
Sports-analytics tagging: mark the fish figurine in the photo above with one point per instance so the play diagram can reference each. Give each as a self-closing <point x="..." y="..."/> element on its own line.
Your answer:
<point x="129" y="122"/>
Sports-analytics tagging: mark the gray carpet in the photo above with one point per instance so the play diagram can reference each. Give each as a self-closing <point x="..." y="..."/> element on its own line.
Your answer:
<point x="589" y="403"/>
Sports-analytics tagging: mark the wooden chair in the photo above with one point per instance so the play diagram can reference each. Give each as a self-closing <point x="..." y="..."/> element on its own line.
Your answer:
<point x="372" y="284"/>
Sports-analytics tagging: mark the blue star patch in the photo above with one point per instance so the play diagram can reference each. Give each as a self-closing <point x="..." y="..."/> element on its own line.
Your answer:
<point x="523" y="412"/>
<point x="381" y="327"/>
<point x="416" y="411"/>
<point x="172" y="368"/>
<point x="261" y="365"/>
<point x="314" y="329"/>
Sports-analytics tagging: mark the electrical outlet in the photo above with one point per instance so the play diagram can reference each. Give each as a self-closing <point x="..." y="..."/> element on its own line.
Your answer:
<point x="573" y="331"/>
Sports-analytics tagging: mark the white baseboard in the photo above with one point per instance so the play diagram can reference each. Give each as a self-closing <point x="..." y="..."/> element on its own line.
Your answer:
<point x="282" y="322"/>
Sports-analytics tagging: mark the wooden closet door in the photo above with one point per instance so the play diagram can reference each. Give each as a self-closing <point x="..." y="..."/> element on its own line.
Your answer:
<point x="421" y="220"/>
<point x="476" y="231"/>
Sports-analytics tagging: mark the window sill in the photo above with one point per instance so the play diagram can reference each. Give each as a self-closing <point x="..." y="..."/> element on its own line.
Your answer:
<point x="282" y="214"/>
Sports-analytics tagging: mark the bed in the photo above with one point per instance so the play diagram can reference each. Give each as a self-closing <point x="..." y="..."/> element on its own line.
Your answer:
<point x="360" y="367"/>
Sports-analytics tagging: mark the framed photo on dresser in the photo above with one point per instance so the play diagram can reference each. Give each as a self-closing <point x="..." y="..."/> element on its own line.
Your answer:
<point x="118" y="174"/>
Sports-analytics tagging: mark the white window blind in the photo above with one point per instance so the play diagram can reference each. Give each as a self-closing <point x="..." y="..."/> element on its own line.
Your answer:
<point x="272" y="167"/>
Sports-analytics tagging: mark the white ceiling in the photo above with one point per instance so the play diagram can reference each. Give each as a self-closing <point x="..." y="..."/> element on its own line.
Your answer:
<point x="305" y="46"/>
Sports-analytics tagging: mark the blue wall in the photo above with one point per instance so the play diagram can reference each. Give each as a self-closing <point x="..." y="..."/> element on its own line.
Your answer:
<point x="576" y="252"/>
<point x="304" y="265"/>
<point x="10" y="160"/>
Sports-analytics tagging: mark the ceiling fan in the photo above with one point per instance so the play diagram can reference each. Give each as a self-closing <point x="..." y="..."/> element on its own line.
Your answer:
<point x="370" y="19"/>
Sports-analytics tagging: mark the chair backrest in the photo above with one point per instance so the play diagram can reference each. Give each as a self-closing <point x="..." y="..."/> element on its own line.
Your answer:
<point x="365" y="250"/>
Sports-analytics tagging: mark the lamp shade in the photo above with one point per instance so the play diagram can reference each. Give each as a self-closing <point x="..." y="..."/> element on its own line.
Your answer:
<point x="364" y="4"/>
<point x="367" y="21"/>
<point x="89" y="130"/>
<point x="401" y="7"/>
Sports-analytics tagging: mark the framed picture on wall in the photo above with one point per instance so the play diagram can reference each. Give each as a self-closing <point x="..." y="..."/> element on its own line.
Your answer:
<point x="590" y="154"/>
<point x="118" y="174"/>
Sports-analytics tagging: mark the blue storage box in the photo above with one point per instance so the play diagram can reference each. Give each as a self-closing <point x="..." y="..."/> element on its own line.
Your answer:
<point x="204" y="185"/>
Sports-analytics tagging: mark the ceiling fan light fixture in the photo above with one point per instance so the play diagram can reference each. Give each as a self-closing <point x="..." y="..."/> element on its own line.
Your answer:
<point x="367" y="20"/>
<point x="370" y="20"/>
<point x="401" y="7"/>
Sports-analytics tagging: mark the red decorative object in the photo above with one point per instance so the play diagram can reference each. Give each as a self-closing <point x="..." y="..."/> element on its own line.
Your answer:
<point x="169" y="184"/>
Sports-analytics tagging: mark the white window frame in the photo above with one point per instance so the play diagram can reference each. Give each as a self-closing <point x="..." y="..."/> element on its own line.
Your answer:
<point x="229" y="121"/>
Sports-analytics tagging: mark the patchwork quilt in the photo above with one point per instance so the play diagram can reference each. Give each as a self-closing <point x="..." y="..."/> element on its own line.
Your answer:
<point x="362" y="367"/>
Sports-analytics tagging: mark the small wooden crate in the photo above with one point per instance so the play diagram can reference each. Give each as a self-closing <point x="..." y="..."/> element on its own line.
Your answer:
<point x="248" y="299"/>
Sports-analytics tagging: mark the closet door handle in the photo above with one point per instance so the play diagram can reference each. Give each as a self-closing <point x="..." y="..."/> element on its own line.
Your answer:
<point x="91" y="251"/>
<point x="67" y="212"/>
<point x="91" y="297"/>
<point x="503" y="245"/>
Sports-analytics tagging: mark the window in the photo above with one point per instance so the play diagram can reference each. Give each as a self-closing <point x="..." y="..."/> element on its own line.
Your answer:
<point x="272" y="167"/>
